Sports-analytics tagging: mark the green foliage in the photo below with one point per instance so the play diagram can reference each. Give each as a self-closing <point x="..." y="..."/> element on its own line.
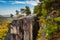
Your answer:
<point x="36" y="8"/>
<point x="3" y="29"/>
<point x="11" y="15"/>
<point x="45" y="9"/>
<point x="22" y="10"/>
<point x="17" y="12"/>
<point x="57" y="19"/>
<point x="27" y="10"/>
<point x="50" y="29"/>
<point x="3" y="33"/>
<point x="44" y="12"/>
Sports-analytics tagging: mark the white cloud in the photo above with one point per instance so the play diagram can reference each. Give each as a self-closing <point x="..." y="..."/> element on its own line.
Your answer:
<point x="31" y="2"/>
<point x="18" y="2"/>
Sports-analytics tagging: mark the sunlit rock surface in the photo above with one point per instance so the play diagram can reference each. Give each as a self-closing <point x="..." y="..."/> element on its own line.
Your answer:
<point x="21" y="29"/>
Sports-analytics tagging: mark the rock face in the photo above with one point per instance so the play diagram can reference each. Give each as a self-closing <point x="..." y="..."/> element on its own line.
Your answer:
<point x="21" y="29"/>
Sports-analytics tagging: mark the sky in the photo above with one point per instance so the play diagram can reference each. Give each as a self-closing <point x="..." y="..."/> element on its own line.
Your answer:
<point x="8" y="7"/>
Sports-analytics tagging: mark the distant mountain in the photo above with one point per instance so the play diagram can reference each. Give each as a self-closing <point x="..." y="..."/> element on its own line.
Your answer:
<point x="1" y="16"/>
<point x="6" y="15"/>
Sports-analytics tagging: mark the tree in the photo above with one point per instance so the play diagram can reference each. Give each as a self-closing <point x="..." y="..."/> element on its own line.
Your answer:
<point x="22" y="10"/>
<point x="11" y="15"/>
<point x="48" y="9"/>
<point x="27" y="10"/>
<point x="17" y="12"/>
<point x="36" y="8"/>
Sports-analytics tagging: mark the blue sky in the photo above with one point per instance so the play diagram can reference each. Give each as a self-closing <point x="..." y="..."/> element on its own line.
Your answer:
<point x="9" y="6"/>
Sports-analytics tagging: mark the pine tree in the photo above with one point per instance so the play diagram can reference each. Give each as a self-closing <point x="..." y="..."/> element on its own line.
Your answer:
<point x="27" y="10"/>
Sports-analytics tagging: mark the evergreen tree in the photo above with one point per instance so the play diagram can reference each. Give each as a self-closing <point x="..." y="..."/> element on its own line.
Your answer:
<point x="22" y="10"/>
<point x="27" y="10"/>
<point x="11" y="15"/>
<point x="17" y="12"/>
